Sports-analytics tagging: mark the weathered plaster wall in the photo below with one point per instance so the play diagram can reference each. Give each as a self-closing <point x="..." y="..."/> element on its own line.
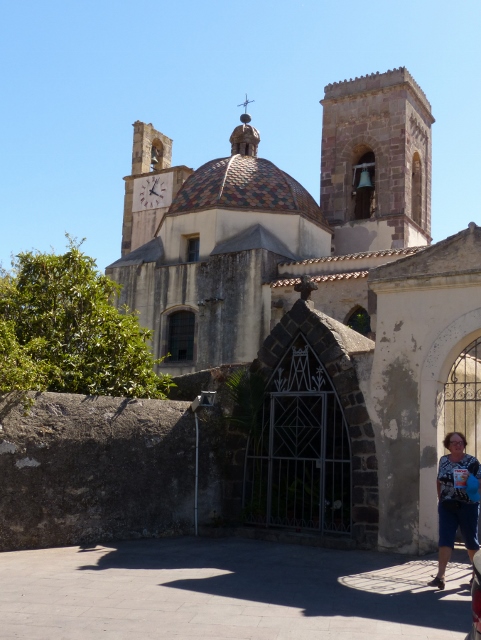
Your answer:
<point x="412" y="317"/>
<point x="218" y="225"/>
<point x="78" y="469"/>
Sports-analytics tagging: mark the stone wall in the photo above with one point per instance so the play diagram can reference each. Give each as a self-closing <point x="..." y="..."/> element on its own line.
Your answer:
<point x="78" y="469"/>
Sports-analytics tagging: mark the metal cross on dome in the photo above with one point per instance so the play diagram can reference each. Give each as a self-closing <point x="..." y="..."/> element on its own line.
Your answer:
<point x="245" y="103"/>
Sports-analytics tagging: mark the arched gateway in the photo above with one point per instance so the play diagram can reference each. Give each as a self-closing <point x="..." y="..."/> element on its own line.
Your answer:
<point x="313" y="464"/>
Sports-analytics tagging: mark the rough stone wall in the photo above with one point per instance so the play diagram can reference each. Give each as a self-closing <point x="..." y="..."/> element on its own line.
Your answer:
<point x="78" y="469"/>
<point x="388" y="114"/>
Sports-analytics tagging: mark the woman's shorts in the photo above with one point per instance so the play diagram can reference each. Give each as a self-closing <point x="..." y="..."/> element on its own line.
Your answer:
<point x="466" y="518"/>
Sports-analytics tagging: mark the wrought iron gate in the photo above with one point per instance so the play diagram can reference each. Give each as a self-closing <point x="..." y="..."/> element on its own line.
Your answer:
<point x="298" y="467"/>
<point x="462" y="396"/>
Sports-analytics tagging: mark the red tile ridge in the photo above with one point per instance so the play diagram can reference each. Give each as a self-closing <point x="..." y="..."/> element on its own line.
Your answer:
<point x="289" y="282"/>
<point x="356" y="256"/>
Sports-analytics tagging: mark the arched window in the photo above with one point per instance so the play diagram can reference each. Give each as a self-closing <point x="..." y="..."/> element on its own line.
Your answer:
<point x="364" y="186"/>
<point x="181" y="336"/>
<point x="360" y="321"/>
<point x="416" y="191"/>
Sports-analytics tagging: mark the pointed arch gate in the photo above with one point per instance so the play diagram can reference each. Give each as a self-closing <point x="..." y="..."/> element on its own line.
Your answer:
<point x="298" y="464"/>
<point x="462" y="396"/>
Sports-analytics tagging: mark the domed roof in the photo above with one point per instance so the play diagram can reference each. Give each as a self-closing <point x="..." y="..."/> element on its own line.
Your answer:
<point x="245" y="182"/>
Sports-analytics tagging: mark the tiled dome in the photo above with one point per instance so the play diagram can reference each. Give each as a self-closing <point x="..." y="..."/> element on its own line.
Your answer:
<point x="245" y="182"/>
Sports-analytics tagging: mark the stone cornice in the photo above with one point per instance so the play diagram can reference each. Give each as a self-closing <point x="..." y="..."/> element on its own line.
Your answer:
<point x="469" y="278"/>
<point x="154" y="173"/>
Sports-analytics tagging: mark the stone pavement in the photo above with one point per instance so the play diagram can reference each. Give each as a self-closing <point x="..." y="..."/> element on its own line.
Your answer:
<point x="228" y="588"/>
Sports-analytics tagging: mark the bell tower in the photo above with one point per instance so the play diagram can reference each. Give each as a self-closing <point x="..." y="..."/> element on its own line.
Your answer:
<point x="376" y="162"/>
<point x="150" y="188"/>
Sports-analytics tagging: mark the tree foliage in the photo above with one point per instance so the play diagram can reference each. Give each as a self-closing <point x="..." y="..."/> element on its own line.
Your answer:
<point x="59" y="331"/>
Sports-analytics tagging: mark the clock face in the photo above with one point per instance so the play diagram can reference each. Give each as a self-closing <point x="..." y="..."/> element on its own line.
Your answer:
<point x="153" y="191"/>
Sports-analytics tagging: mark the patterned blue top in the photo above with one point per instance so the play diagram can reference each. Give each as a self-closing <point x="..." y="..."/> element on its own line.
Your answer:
<point x="453" y="477"/>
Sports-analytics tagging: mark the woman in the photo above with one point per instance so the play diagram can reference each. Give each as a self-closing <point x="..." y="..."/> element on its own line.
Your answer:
<point x="458" y="502"/>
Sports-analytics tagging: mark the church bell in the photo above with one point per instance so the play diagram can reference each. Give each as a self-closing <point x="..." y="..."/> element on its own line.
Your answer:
<point x="365" y="180"/>
<point x="154" y="159"/>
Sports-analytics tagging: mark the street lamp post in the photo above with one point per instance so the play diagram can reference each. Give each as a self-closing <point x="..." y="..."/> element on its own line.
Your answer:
<point x="206" y="399"/>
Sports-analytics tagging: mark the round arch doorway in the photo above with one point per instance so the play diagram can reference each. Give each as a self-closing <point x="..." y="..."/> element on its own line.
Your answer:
<point x="462" y="397"/>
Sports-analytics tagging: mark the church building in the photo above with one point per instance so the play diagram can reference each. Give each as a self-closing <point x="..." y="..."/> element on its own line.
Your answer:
<point x="365" y="333"/>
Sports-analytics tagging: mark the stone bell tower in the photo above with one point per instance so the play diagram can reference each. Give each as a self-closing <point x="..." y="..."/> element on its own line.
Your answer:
<point x="376" y="162"/>
<point x="150" y="188"/>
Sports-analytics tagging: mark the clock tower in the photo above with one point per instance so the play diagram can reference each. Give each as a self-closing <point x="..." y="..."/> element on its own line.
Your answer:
<point x="150" y="188"/>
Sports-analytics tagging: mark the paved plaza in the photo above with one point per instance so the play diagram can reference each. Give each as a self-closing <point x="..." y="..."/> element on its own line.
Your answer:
<point x="228" y="588"/>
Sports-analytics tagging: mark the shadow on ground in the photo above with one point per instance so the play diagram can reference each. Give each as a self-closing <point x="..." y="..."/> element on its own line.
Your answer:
<point x="321" y="582"/>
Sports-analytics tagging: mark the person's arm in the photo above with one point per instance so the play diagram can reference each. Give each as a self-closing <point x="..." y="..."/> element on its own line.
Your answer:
<point x="438" y="487"/>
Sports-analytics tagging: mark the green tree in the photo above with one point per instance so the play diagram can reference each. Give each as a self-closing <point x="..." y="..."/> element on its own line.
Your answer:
<point x="59" y="328"/>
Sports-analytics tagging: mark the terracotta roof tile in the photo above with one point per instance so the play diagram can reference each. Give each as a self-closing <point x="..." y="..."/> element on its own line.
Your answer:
<point x="289" y="282"/>
<point x="366" y="254"/>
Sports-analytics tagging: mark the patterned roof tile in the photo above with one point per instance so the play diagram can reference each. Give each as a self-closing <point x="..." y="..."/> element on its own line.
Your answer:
<point x="245" y="182"/>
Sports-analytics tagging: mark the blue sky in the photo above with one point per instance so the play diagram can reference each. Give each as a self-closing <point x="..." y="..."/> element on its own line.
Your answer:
<point x="76" y="75"/>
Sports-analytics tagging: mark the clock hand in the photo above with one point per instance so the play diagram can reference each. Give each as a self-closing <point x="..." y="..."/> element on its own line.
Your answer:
<point x="152" y="192"/>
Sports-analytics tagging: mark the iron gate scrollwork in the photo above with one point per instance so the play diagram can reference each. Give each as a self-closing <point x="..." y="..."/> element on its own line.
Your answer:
<point x="298" y="467"/>
<point x="462" y="395"/>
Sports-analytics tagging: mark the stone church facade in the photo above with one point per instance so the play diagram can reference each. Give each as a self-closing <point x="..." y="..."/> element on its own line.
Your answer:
<point x="358" y="371"/>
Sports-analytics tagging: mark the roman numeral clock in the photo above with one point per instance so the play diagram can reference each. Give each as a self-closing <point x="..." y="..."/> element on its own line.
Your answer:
<point x="153" y="191"/>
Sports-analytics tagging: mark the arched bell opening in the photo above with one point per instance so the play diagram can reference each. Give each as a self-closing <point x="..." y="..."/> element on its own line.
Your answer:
<point x="363" y="183"/>
<point x="298" y="462"/>
<point x="157" y="155"/>
<point x="417" y="190"/>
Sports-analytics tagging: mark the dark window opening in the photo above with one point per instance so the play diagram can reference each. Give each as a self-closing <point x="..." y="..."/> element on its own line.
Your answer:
<point x="364" y="191"/>
<point x="416" y="191"/>
<point x="181" y="336"/>
<point x="193" y="249"/>
<point x="360" y="321"/>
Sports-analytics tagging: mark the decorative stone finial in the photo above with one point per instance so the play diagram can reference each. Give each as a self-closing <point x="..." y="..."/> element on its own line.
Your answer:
<point x="305" y="287"/>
